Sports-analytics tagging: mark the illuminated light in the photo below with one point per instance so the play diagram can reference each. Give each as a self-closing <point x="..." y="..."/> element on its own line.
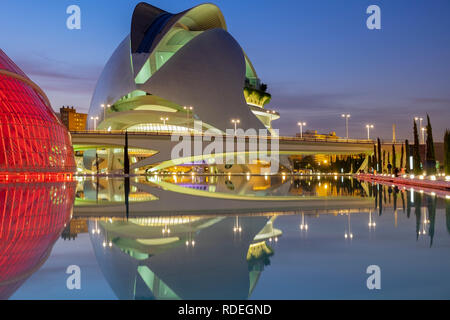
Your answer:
<point x="421" y="191"/>
<point x="433" y="194"/>
<point x="187" y="243"/>
<point x="411" y="176"/>
<point x="433" y="178"/>
<point x="193" y="243"/>
<point x="104" y="244"/>
<point x="447" y="178"/>
<point x="421" y="177"/>
<point x="447" y="196"/>
<point x="110" y="244"/>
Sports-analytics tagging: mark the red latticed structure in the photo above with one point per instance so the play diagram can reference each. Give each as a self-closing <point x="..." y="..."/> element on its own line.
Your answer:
<point x="32" y="217"/>
<point x="33" y="140"/>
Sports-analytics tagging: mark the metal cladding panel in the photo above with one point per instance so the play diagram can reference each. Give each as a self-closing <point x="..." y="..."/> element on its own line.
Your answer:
<point x="143" y="17"/>
<point x="32" y="137"/>
<point x="209" y="74"/>
<point x="116" y="81"/>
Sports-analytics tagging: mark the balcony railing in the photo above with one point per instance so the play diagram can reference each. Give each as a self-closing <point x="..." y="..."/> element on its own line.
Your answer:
<point x="183" y="133"/>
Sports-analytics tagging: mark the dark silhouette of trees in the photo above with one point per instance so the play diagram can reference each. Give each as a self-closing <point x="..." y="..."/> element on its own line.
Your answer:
<point x="430" y="156"/>
<point x="408" y="154"/>
<point x="380" y="165"/>
<point x="447" y="152"/>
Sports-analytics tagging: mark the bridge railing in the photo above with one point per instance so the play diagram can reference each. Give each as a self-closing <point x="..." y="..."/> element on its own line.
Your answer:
<point x="184" y="133"/>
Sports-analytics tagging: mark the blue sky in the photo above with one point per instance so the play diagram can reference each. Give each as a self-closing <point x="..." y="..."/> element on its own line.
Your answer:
<point x="317" y="57"/>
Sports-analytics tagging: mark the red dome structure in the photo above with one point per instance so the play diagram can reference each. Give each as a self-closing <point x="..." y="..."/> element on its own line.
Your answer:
<point x="32" y="217"/>
<point x="33" y="140"/>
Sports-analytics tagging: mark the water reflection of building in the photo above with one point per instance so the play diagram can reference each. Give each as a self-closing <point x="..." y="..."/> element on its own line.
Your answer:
<point x="32" y="217"/>
<point x="183" y="258"/>
<point x="75" y="227"/>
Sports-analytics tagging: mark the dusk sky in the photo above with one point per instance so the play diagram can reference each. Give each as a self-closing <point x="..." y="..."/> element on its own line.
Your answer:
<point x="317" y="57"/>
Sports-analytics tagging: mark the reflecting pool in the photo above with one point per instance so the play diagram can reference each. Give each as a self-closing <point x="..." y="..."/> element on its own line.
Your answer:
<point x="222" y="237"/>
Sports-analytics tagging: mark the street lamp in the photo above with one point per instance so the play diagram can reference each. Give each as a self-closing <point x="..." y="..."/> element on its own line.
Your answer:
<point x="346" y="116"/>
<point x="369" y="126"/>
<point x="164" y="120"/>
<point x="420" y="126"/>
<point x="95" y="122"/>
<point x="235" y="122"/>
<point x="188" y="108"/>
<point x="104" y="109"/>
<point x="423" y="135"/>
<point x="301" y="124"/>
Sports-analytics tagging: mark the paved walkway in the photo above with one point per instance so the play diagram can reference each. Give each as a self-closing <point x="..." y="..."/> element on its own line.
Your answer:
<point x="407" y="181"/>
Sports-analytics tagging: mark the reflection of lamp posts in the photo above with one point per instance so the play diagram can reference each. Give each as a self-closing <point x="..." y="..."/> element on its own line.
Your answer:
<point x="346" y="116"/>
<point x="372" y="223"/>
<point x="349" y="234"/>
<point x="304" y="225"/>
<point x="424" y="223"/>
<point x="237" y="227"/>
<point x="187" y="108"/>
<point x="166" y="230"/>
<point x="95" y="122"/>
<point x="190" y="242"/>
<point x="235" y="122"/>
<point x="301" y="124"/>
<point x="164" y="120"/>
<point x="369" y="126"/>
<point x="96" y="230"/>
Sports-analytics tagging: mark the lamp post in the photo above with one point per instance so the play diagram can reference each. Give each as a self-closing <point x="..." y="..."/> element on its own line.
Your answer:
<point x="95" y="122"/>
<point x="235" y="122"/>
<point x="187" y="108"/>
<point x="369" y="126"/>
<point x="423" y="135"/>
<point x="420" y="127"/>
<point x="301" y="124"/>
<point x="346" y="116"/>
<point x="164" y="119"/>
<point x="104" y="106"/>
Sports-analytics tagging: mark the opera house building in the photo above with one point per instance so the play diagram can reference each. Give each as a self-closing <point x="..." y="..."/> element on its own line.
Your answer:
<point x="174" y="70"/>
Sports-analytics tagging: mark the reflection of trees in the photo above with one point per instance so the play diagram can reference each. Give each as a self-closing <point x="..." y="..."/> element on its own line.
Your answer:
<point x="431" y="204"/>
<point x="418" y="213"/>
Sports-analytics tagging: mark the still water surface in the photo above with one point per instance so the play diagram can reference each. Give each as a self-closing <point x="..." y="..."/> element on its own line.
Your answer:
<point x="183" y="237"/>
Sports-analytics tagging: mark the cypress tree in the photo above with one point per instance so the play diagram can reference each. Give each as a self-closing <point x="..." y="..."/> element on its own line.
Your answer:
<point x="402" y="157"/>
<point x="380" y="165"/>
<point x="430" y="156"/>
<point x="416" y="154"/>
<point x="394" y="157"/>
<point x="383" y="165"/>
<point x="447" y="152"/>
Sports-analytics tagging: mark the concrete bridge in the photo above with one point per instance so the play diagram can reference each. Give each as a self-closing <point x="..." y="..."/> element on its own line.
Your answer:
<point x="162" y="144"/>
